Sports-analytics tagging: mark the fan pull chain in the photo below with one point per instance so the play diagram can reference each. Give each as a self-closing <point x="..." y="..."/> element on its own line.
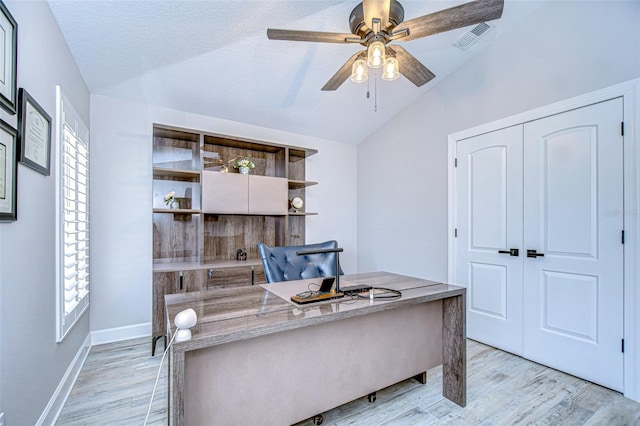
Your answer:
<point x="375" y="91"/>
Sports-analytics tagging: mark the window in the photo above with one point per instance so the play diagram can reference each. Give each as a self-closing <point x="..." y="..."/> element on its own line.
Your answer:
<point x="73" y="216"/>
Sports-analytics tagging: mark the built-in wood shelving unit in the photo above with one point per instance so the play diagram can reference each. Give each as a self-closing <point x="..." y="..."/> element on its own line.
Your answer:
<point x="194" y="250"/>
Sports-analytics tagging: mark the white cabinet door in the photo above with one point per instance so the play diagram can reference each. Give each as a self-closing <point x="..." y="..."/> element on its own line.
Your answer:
<point x="573" y="186"/>
<point x="268" y="195"/>
<point x="235" y="193"/>
<point x="489" y="220"/>
<point x="224" y="193"/>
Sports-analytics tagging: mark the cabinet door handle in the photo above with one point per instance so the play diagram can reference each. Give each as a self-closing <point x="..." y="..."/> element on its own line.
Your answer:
<point x="209" y="276"/>
<point x="181" y="281"/>
<point x="534" y="254"/>
<point x="510" y="252"/>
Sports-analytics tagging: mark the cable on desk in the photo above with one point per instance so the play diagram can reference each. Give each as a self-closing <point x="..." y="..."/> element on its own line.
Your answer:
<point x="309" y="293"/>
<point x="383" y="294"/>
<point x="348" y="299"/>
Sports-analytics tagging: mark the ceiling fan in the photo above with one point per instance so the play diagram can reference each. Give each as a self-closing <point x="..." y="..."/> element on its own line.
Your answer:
<point x="375" y="23"/>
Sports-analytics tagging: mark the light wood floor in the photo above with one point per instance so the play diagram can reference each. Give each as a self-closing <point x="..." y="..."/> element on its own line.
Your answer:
<point x="116" y="381"/>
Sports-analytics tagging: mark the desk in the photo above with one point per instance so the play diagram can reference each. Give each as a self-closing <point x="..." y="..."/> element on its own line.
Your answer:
<point x="255" y="358"/>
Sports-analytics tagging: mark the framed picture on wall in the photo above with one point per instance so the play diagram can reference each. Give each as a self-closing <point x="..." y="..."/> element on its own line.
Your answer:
<point x="34" y="132"/>
<point x="8" y="62"/>
<point x="8" y="172"/>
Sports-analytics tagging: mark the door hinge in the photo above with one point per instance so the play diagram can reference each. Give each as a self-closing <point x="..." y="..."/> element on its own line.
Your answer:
<point x="623" y="345"/>
<point x="455" y="233"/>
<point x="622" y="128"/>
<point x="623" y="236"/>
<point x="455" y="162"/>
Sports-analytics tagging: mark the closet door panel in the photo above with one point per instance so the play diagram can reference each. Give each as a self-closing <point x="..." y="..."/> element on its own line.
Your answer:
<point x="489" y="220"/>
<point x="573" y="295"/>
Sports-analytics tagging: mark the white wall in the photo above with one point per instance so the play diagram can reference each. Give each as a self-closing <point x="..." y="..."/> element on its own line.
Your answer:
<point x="564" y="49"/>
<point x="31" y="362"/>
<point x="121" y="220"/>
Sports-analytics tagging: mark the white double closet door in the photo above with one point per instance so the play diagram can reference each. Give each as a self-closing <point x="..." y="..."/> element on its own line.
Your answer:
<point x="554" y="186"/>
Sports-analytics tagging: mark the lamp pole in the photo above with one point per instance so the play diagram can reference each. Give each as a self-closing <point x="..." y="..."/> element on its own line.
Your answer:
<point x="329" y="250"/>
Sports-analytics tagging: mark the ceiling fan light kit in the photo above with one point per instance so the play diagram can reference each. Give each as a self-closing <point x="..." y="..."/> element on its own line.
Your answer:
<point x="391" y="69"/>
<point x="376" y="54"/>
<point x="359" y="71"/>
<point x="375" y="23"/>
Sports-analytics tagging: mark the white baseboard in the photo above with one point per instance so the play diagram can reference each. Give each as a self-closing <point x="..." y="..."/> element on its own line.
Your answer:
<point x="118" y="334"/>
<point x="54" y="407"/>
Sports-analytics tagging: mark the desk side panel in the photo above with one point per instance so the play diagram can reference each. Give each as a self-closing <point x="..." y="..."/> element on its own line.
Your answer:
<point x="290" y="376"/>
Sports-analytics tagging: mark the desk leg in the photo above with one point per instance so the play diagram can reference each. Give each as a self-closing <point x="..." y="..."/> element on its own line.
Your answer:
<point x="454" y="350"/>
<point x="422" y="377"/>
<point x="154" y="342"/>
<point x="176" y="389"/>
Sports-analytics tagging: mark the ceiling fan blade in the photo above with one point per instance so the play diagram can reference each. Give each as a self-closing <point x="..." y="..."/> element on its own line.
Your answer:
<point x="376" y="9"/>
<point x="452" y="18"/>
<point x="410" y="67"/>
<point x="343" y="73"/>
<point x="317" y="36"/>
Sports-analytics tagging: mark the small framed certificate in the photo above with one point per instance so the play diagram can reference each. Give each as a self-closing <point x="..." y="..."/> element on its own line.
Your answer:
<point x="8" y="172"/>
<point x="34" y="131"/>
<point x="8" y="62"/>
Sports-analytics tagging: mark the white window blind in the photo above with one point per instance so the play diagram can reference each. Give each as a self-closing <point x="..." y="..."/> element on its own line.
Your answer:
<point x="73" y="215"/>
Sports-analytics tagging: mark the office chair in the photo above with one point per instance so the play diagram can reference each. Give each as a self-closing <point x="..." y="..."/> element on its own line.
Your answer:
<point x="283" y="264"/>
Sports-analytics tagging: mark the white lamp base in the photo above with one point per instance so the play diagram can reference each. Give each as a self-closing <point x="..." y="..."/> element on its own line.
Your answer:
<point x="183" y="335"/>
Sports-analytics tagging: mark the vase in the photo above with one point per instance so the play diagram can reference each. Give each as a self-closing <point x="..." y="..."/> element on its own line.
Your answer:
<point x="244" y="170"/>
<point x="174" y="205"/>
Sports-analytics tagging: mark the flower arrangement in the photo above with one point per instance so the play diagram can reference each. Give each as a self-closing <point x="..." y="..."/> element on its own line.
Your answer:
<point x="170" y="198"/>
<point x="243" y="162"/>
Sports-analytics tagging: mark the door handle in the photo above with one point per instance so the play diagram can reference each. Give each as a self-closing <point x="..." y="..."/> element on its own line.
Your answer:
<point x="534" y="254"/>
<point x="510" y="252"/>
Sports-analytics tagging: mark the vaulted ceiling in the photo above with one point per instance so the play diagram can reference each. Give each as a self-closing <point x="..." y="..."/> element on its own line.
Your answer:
<point x="213" y="58"/>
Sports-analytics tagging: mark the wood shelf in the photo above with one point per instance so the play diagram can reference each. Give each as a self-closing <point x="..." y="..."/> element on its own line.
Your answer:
<point x="177" y="211"/>
<point x="302" y="214"/>
<point x="296" y="154"/>
<point x="169" y="132"/>
<point x="241" y="143"/>
<point x="195" y="266"/>
<point x="297" y="184"/>
<point x="175" y="173"/>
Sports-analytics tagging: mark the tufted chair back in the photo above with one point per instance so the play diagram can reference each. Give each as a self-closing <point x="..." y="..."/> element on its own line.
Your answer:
<point x="283" y="264"/>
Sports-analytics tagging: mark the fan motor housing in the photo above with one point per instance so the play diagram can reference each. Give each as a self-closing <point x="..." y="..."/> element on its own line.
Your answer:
<point x="360" y="28"/>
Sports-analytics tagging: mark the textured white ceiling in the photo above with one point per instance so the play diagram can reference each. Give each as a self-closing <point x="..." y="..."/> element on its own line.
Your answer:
<point x="214" y="58"/>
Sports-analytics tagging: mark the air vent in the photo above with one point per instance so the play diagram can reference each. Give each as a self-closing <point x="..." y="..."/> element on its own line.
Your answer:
<point x="470" y="37"/>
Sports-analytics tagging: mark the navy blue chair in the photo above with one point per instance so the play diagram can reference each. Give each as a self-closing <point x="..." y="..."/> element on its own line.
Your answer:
<point x="283" y="264"/>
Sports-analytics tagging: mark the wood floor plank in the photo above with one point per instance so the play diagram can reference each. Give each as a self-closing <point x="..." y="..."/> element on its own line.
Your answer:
<point x="116" y="381"/>
<point x="415" y="416"/>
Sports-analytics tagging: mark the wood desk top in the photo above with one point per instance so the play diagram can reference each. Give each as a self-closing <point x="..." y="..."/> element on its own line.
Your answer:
<point x="230" y="314"/>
